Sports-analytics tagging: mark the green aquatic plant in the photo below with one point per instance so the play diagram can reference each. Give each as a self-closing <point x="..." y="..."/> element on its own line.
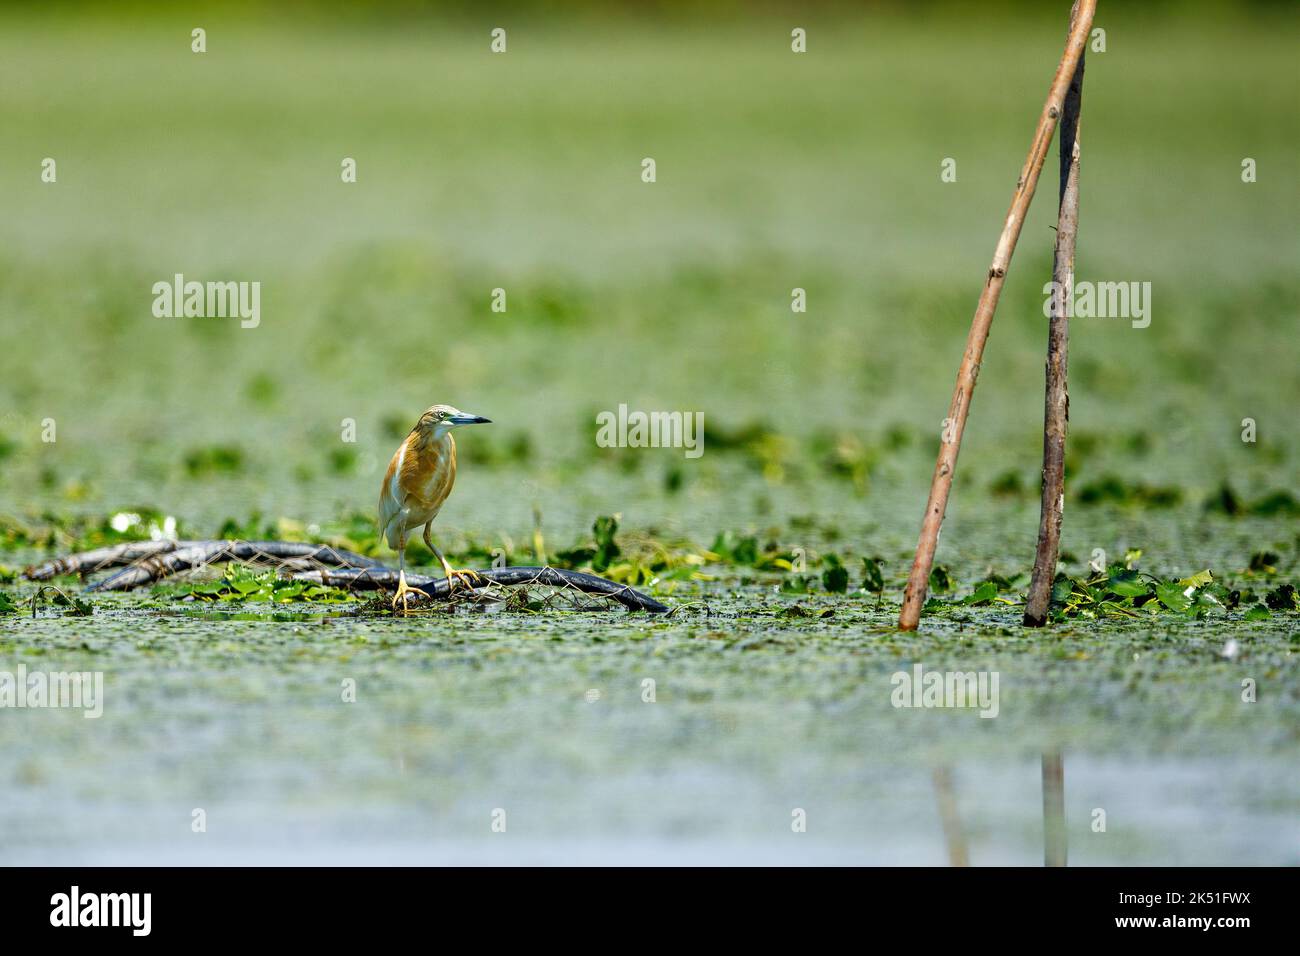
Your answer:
<point x="1126" y="592"/>
<point x="835" y="578"/>
<point x="242" y="583"/>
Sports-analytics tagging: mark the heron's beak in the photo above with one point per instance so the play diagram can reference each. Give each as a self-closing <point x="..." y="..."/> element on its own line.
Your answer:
<point x="470" y="420"/>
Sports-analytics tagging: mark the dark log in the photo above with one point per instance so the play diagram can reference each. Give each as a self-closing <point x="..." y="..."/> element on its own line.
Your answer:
<point x="166" y="557"/>
<point x="439" y="590"/>
<point x="151" y="561"/>
<point x="195" y="554"/>
<point x="100" y="559"/>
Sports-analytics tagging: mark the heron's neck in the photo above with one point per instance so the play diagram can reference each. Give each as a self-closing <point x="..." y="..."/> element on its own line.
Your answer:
<point x="436" y="438"/>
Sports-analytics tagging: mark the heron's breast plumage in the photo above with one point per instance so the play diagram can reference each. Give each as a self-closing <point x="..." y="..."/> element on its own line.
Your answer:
<point x="427" y="473"/>
<point x="418" y="481"/>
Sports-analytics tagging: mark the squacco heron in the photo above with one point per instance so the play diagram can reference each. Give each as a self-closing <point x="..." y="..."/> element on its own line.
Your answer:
<point x="418" y="481"/>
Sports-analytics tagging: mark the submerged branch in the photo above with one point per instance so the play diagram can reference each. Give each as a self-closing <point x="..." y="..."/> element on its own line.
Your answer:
<point x="439" y="589"/>
<point x="150" y="561"/>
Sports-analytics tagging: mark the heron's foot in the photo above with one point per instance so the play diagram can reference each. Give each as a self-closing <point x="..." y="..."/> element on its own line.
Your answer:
<point x="403" y="589"/>
<point x="471" y="578"/>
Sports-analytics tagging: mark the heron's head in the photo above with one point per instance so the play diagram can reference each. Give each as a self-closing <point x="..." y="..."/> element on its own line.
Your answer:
<point x="441" y="419"/>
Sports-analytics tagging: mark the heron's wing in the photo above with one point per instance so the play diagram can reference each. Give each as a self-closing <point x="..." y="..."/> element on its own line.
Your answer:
<point x="390" y="505"/>
<point x="388" y="523"/>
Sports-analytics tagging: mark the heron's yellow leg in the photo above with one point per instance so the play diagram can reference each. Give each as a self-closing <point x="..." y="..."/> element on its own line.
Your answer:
<point x="402" y="591"/>
<point x="403" y="588"/>
<point x="471" y="577"/>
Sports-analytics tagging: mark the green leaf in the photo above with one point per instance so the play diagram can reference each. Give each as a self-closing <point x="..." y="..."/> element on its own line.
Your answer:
<point x="795" y="584"/>
<point x="1111" y="607"/>
<point x="743" y="550"/>
<point x="1205" y="600"/>
<point x="940" y="579"/>
<point x="1173" y="596"/>
<point x="983" y="594"/>
<point x="1257" y="613"/>
<point x="836" y="577"/>
<point x="873" y="578"/>
<point x="1216" y="591"/>
<point x="573" y="558"/>
<point x="1264" y="562"/>
<point x="290" y="593"/>
<point x="240" y="583"/>
<point x="1276" y="503"/>
<point x="606" y="549"/>
<point x="1128" y="583"/>
<point x="79" y="607"/>
<point x="1197" y="580"/>
<point x="1283" y="598"/>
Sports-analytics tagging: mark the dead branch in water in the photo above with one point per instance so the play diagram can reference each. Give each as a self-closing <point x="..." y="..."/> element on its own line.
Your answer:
<point x="439" y="589"/>
<point x="150" y="561"/>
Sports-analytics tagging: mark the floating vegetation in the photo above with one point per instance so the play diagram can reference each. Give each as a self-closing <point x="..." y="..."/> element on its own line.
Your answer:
<point x="283" y="561"/>
<point x="1226" y="501"/>
<point x="214" y="460"/>
<point x="500" y="449"/>
<point x="240" y="582"/>
<point x="873" y="578"/>
<point x="48" y="593"/>
<point x="835" y="578"/>
<point x="940" y="580"/>
<point x="1127" y="592"/>
<point x="289" y="571"/>
<point x="1282" y="598"/>
<point x="1111" y="489"/>
<point x="599" y="555"/>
